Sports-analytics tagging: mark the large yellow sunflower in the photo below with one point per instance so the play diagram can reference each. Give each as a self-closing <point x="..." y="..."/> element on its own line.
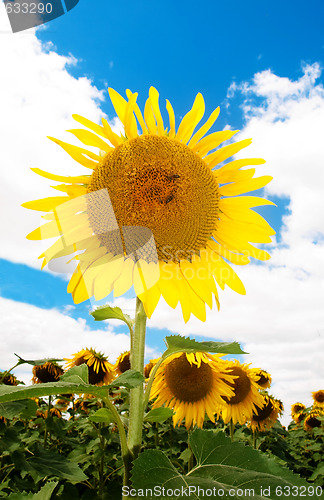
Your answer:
<point x="47" y="372"/>
<point x="192" y="385"/>
<point x="246" y="399"/>
<point x="158" y="211"/>
<point x="101" y="372"/>
<point x="297" y="412"/>
<point x="312" y="420"/>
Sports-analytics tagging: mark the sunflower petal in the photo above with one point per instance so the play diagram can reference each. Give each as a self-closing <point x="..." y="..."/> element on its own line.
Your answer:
<point x="154" y="97"/>
<point x="244" y="186"/>
<point x="191" y="119"/>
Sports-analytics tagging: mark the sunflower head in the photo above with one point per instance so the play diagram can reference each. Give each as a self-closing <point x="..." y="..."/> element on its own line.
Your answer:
<point x="297" y="412"/>
<point x="54" y="412"/>
<point x="48" y="372"/>
<point x="264" y="381"/>
<point x="312" y="420"/>
<point x="318" y="397"/>
<point x="246" y="397"/>
<point x="149" y="366"/>
<point x="8" y="379"/>
<point x="157" y="211"/>
<point x="123" y="363"/>
<point x="263" y="418"/>
<point x="192" y="385"/>
<point x="101" y="372"/>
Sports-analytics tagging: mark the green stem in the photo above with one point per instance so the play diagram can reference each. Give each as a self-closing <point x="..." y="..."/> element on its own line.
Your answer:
<point x="121" y="429"/>
<point x="102" y="460"/>
<point x="190" y="461"/>
<point x="254" y="434"/>
<point x="136" y="410"/>
<point x="48" y="415"/>
<point x="8" y="371"/>
<point x="232" y="430"/>
<point x="150" y="382"/>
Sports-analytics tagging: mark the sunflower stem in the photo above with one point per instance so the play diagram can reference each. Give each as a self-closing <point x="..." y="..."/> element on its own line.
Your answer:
<point x="150" y="382"/>
<point x="232" y="430"/>
<point x="8" y="371"/>
<point x="254" y="434"/>
<point x="136" y="410"/>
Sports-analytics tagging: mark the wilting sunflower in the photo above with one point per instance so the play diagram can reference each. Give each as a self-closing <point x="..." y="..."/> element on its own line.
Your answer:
<point x="297" y="412"/>
<point x="312" y="420"/>
<point x="264" y="378"/>
<point x="101" y="372"/>
<point x="192" y="385"/>
<point x="48" y="372"/>
<point x="266" y="416"/>
<point x="246" y="399"/>
<point x="318" y="397"/>
<point x="157" y="211"/>
<point x="123" y="363"/>
<point x="8" y="379"/>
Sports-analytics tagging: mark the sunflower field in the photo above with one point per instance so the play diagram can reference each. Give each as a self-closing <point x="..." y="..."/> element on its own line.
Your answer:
<point x="60" y="436"/>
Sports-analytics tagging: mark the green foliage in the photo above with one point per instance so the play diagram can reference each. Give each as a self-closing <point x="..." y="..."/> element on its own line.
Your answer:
<point x="220" y="464"/>
<point x="108" y="312"/>
<point x="177" y="343"/>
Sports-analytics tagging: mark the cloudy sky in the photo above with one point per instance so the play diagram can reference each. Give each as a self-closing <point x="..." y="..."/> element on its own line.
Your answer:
<point x="268" y="80"/>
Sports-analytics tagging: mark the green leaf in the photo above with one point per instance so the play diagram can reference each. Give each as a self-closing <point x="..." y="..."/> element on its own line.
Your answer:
<point x="177" y="343"/>
<point x="128" y="379"/>
<point x="225" y="468"/>
<point x="108" y="312"/>
<point x="25" y="408"/>
<point x="36" y="362"/>
<point x="77" y="375"/>
<point x="45" y="493"/>
<point x="102" y="415"/>
<point x="50" y="463"/>
<point x="317" y="472"/>
<point x="158" y="415"/>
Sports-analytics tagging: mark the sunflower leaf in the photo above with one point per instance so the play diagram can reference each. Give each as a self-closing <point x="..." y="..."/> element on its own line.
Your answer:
<point x="108" y="312"/>
<point x="77" y="375"/>
<point x="158" y="415"/>
<point x="128" y="379"/>
<point x="224" y="468"/>
<point x="102" y="415"/>
<point x="36" y="362"/>
<point x="177" y="343"/>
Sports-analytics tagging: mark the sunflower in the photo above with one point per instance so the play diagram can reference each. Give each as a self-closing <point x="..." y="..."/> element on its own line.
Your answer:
<point x="192" y="385"/>
<point x="8" y="379"/>
<point x="297" y="412"/>
<point x="266" y="416"/>
<point x="318" y="397"/>
<point x="149" y="366"/>
<point x="158" y="211"/>
<point x="101" y="372"/>
<point x="264" y="378"/>
<point x="48" y="372"/>
<point x="123" y="363"/>
<point x="312" y="420"/>
<point x="246" y="399"/>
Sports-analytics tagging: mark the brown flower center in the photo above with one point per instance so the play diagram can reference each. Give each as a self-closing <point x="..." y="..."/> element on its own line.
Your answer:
<point x="319" y="396"/>
<point x="188" y="382"/>
<point x="124" y="364"/>
<point x="159" y="184"/>
<point x="241" y="386"/>
<point x="263" y="413"/>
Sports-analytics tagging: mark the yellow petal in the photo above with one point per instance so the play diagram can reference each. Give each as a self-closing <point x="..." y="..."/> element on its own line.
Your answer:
<point x="235" y="258"/>
<point x="191" y="119"/>
<point x="138" y="114"/>
<point x="168" y="283"/>
<point x="81" y="179"/>
<point x="45" y="204"/>
<point x="90" y="139"/>
<point x="211" y="142"/>
<point x="111" y="136"/>
<point x="204" y="129"/>
<point x="90" y="125"/>
<point x="149" y="117"/>
<point x="49" y="230"/>
<point x="72" y="191"/>
<point x="154" y="97"/>
<point x="234" y="175"/>
<point x="171" y="119"/>
<point x="130" y="129"/>
<point x="237" y="164"/>
<point x="78" y="154"/>
<point x="150" y="300"/>
<point x="125" y="280"/>
<point x="242" y="202"/>
<point x="228" y="151"/>
<point x="245" y="186"/>
<point x="120" y="105"/>
<point x="196" y="275"/>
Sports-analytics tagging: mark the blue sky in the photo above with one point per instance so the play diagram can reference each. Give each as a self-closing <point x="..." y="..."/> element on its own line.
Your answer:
<point x="261" y="62"/>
